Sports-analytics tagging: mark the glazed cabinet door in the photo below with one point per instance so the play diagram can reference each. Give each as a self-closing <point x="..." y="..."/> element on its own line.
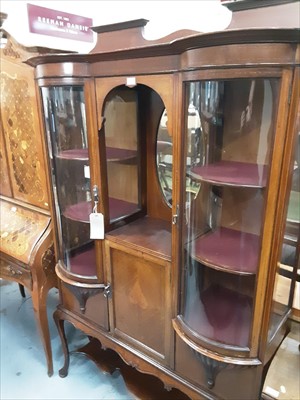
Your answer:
<point x="133" y="137"/>
<point x="70" y="129"/>
<point x="285" y="293"/>
<point x="230" y="183"/>
<point x="121" y="160"/>
<point x="74" y="197"/>
<point x="136" y="152"/>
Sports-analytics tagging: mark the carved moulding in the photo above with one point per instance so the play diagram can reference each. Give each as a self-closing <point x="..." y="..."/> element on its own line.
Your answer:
<point x="83" y="291"/>
<point x="82" y="294"/>
<point x="211" y="367"/>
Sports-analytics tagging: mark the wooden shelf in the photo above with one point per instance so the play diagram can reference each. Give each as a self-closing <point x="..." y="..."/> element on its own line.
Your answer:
<point x="79" y="212"/>
<point x="117" y="154"/>
<point x="222" y="315"/>
<point x="118" y="208"/>
<point x="112" y="154"/>
<point x="84" y="263"/>
<point x="148" y="235"/>
<point x="228" y="250"/>
<point x="74" y="154"/>
<point x="231" y="173"/>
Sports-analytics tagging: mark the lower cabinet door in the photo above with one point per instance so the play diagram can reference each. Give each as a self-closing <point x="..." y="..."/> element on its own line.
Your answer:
<point x="140" y="303"/>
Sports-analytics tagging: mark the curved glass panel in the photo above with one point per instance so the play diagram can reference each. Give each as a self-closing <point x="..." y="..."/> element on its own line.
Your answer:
<point x="286" y="290"/>
<point x="122" y="155"/>
<point x="164" y="158"/>
<point x="65" y="122"/>
<point x="234" y="126"/>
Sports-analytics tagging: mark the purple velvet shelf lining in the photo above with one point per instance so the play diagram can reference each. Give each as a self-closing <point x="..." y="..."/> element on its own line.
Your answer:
<point x="222" y="315"/>
<point x="227" y="249"/>
<point x="117" y="208"/>
<point x="79" y="212"/>
<point x="120" y="208"/>
<point x="231" y="173"/>
<point x="84" y="263"/>
<point x="116" y="154"/>
<point x="74" y="154"/>
<point x="112" y="154"/>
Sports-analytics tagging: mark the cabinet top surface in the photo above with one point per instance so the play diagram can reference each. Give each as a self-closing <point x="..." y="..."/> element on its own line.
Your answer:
<point x="178" y="45"/>
<point x="148" y="234"/>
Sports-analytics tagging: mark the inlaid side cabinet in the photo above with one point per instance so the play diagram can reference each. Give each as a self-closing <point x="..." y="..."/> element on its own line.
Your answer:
<point x="27" y="254"/>
<point x="173" y="172"/>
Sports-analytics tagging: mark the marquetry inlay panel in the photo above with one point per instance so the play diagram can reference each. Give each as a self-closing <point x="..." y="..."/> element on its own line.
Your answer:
<point x="22" y="136"/>
<point x="21" y="132"/>
<point x="20" y="230"/>
<point x="5" y="188"/>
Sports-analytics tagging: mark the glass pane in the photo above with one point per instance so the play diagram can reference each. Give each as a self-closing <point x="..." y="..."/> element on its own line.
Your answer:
<point x="121" y="139"/>
<point x="285" y="293"/>
<point x="164" y="158"/>
<point x="227" y="160"/>
<point x="65" y="121"/>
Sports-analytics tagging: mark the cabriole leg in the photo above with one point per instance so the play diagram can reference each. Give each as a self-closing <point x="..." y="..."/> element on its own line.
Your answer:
<point x="60" y="324"/>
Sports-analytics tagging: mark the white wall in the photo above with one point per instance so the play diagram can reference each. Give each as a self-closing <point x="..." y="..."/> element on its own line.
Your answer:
<point x="164" y="17"/>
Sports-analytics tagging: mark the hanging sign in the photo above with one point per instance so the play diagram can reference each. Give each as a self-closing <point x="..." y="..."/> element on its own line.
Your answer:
<point x="50" y="22"/>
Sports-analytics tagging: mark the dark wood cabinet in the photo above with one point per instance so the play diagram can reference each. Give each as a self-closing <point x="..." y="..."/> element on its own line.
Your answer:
<point x="180" y="154"/>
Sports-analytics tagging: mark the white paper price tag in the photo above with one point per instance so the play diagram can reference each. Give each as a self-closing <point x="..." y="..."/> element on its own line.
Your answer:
<point x="131" y="81"/>
<point x="96" y="226"/>
<point x="87" y="174"/>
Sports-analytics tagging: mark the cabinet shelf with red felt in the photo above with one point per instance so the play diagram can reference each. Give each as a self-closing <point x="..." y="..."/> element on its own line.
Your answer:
<point x="221" y="315"/>
<point x="80" y="212"/>
<point x="117" y="154"/>
<point x="74" y="154"/>
<point x="231" y="173"/>
<point x="83" y="263"/>
<point x="228" y="250"/>
<point x="112" y="154"/>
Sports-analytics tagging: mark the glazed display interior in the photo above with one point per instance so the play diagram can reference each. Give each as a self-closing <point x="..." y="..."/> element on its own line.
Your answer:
<point x="288" y="265"/>
<point x="65" y="122"/>
<point x="122" y="156"/>
<point x="229" y="130"/>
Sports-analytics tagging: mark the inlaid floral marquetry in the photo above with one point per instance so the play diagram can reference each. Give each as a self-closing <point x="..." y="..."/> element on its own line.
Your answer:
<point x="48" y="260"/>
<point x="20" y="230"/>
<point x="5" y="187"/>
<point x="20" y="126"/>
<point x="11" y="51"/>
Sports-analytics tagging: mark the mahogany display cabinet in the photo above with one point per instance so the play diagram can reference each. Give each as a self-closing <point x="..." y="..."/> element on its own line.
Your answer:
<point x="171" y="165"/>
